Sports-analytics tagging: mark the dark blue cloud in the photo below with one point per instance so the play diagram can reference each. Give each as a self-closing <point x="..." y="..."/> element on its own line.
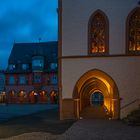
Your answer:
<point x="26" y="21"/>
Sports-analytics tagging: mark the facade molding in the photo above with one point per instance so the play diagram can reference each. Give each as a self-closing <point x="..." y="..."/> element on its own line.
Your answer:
<point x="96" y="56"/>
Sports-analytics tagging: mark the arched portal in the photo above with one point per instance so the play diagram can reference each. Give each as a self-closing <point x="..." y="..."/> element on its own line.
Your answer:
<point x="96" y="81"/>
<point x="33" y="97"/>
<point x="43" y="98"/>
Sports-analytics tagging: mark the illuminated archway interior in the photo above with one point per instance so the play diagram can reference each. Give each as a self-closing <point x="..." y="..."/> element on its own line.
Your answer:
<point x="96" y="81"/>
<point x="97" y="99"/>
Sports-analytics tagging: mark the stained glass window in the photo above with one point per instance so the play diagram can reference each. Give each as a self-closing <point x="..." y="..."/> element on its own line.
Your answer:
<point x="134" y="31"/>
<point x="98" y="33"/>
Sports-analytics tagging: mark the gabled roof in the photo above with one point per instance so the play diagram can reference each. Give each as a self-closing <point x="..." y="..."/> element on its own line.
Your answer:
<point x="23" y="52"/>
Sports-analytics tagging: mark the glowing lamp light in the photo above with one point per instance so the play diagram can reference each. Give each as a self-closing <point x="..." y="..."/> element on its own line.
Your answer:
<point x="138" y="48"/>
<point x="110" y="118"/>
<point x="35" y="93"/>
<point x="43" y="93"/>
<point x="32" y="93"/>
<point x="134" y="48"/>
<point x="130" y="48"/>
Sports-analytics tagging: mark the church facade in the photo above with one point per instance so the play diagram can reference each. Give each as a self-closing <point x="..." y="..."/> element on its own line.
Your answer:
<point x="99" y="58"/>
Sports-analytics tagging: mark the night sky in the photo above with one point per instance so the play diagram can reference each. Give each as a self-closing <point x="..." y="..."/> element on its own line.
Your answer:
<point x="26" y="21"/>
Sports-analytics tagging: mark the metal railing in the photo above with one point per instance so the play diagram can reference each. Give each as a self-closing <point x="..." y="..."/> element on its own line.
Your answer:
<point x="130" y="103"/>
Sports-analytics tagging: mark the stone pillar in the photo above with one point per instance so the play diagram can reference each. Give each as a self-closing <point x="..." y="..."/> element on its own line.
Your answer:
<point x="76" y="108"/>
<point x="115" y="109"/>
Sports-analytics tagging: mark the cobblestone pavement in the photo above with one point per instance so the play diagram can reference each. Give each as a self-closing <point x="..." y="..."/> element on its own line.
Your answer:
<point x="86" y="130"/>
<point x="44" y="122"/>
<point x="101" y="130"/>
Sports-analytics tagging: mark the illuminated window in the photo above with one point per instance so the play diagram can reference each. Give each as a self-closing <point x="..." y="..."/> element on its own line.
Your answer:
<point x="53" y="66"/>
<point x="12" y="93"/>
<point x="53" y="97"/>
<point x="98" y="33"/>
<point x="53" y="79"/>
<point x="133" y="31"/>
<point x="43" y="93"/>
<point x="22" y="80"/>
<point x="37" y="78"/>
<point x="53" y="93"/>
<point x="12" y="66"/>
<point x="31" y="93"/>
<point x="12" y="80"/>
<point x="22" y="94"/>
<point x="37" y="63"/>
<point x="25" y="66"/>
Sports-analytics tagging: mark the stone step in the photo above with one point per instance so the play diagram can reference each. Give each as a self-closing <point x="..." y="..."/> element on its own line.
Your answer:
<point x="94" y="112"/>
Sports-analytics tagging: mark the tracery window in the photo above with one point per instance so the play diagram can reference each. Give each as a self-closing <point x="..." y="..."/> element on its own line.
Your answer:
<point x="133" y="31"/>
<point x="98" y="33"/>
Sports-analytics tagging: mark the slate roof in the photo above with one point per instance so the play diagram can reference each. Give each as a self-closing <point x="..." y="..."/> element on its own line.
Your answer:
<point x="22" y="53"/>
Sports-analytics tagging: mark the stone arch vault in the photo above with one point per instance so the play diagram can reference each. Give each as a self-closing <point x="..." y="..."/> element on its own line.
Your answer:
<point x="96" y="80"/>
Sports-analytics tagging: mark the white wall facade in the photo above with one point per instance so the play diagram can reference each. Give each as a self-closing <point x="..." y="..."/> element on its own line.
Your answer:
<point x="124" y="70"/>
<point x="75" y="16"/>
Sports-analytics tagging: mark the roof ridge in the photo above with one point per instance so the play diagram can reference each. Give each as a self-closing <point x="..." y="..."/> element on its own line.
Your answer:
<point x="36" y="42"/>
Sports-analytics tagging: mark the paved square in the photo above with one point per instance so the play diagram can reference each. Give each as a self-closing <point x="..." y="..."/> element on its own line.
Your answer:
<point x="101" y="130"/>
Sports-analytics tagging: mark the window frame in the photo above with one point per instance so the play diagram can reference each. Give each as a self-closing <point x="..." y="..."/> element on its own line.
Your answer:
<point x="127" y="33"/>
<point x="25" y="66"/>
<point x="9" y="80"/>
<point x="20" y="79"/>
<point x="11" y="67"/>
<point x="106" y="34"/>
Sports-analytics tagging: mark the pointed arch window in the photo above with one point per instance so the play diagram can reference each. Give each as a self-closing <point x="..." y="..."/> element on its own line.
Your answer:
<point x="133" y="32"/>
<point x="98" y="34"/>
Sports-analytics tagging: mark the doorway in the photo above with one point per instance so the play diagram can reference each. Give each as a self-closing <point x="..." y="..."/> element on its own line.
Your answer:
<point x="94" y="93"/>
<point x="97" y="99"/>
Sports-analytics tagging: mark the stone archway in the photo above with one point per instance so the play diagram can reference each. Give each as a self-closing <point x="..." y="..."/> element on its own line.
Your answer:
<point x="90" y="82"/>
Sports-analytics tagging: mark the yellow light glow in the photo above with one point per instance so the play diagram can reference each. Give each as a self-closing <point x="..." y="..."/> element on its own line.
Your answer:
<point x="138" y="48"/>
<point x="94" y="49"/>
<point x="106" y="83"/>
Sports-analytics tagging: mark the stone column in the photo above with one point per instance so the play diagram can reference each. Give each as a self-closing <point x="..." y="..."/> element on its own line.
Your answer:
<point x="115" y="109"/>
<point x="76" y="108"/>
